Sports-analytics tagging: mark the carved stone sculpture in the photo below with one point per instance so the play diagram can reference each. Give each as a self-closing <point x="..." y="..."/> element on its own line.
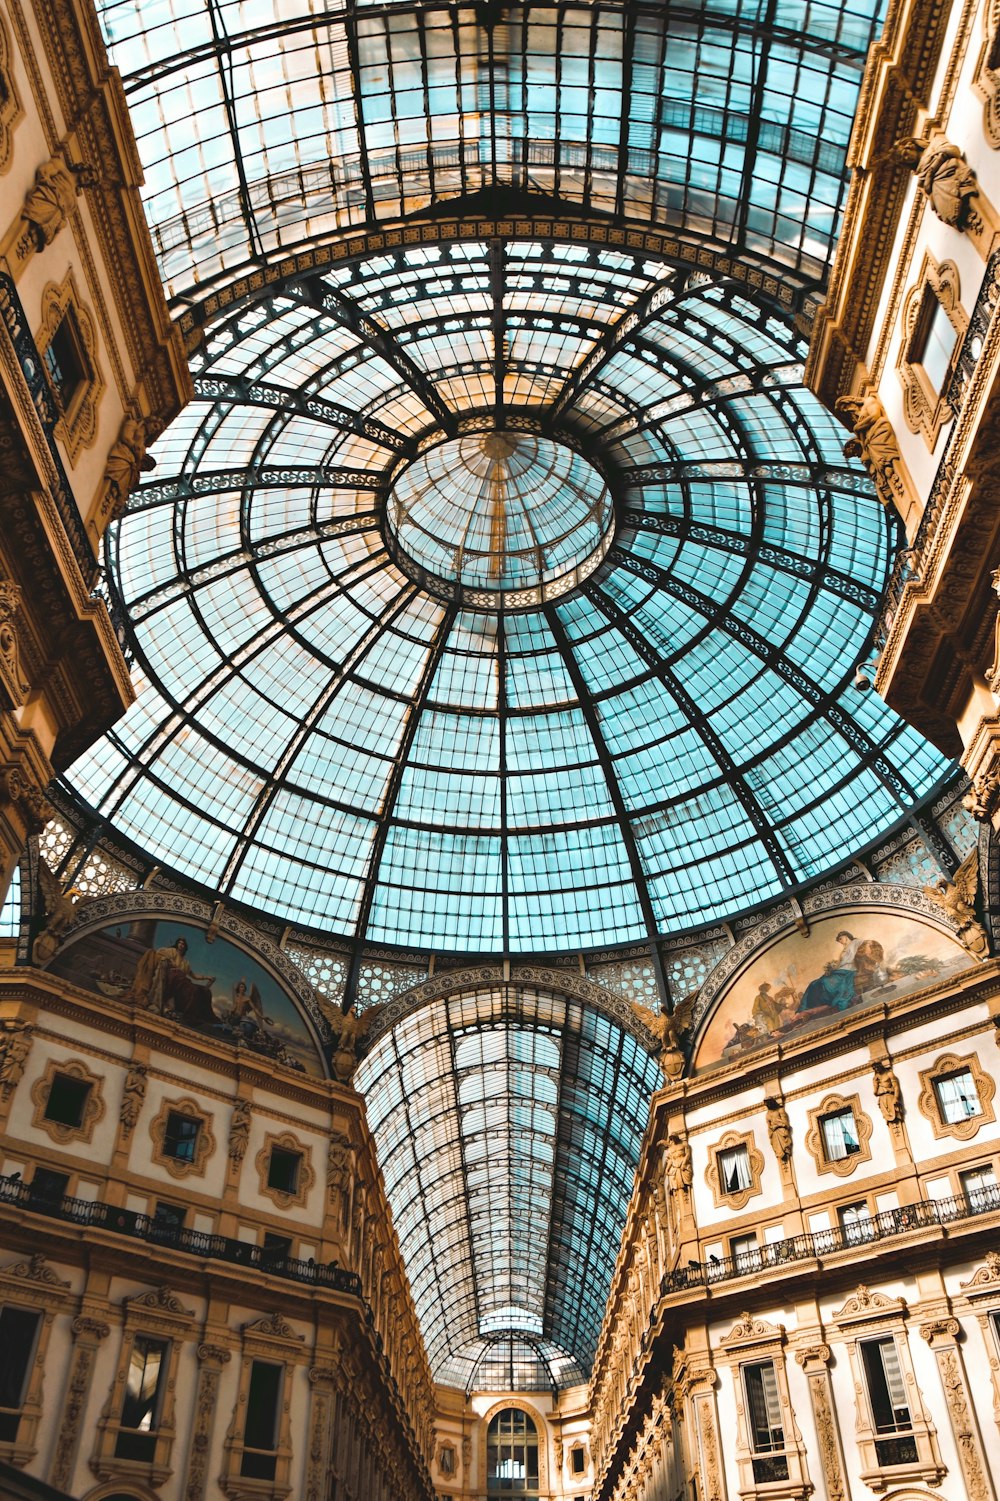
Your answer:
<point x="993" y="675"/>
<point x="948" y="180"/>
<point x="49" y="201"/>
<point x="680" y="1173"/>
<point x="15" y="1045"/>
<point x="339" y="1176"/>
<point x="61" y="909"/>
<point x="874" y="443"/>
<point x="126" y="460"/>
<point x="887" y="1091"/>
<point x="12" y="677"/>
<point x="239" y="1131"/>
<point x="133" y="1097"/>
<point x="779" y="1129"/>
<point x="983" y="796"/>
<point x="958" y="898"/>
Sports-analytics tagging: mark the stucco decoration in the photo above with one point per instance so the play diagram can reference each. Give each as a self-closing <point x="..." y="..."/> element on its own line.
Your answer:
<point x="873" y="944"/>
<point x="162" y="962"/>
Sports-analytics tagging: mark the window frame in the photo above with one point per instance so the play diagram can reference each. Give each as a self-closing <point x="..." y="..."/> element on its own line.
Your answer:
<point x="180" y="1167"/>
<point x="815" y="1139"/>
<point x="714" y="1175"/>
<point x="93" y="1105"/>
<point x="33" y="1285"/>
<point x="306" y="1178"/>
<point x="947" y="1065"/>
<point x="76" y="425"/>
<point x="926" y="409"/>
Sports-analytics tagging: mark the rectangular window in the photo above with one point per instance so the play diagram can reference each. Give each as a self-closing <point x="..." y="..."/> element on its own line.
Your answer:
<point x="260" y="1433"/>
<point x="957" y="1096"/>
<point x="275" y="1251"/>
<point x="48" y="1189"/>
<point x="887" y="1397"/>
<point x="283" y="1170"/>
<point x="67" y="1100"/>
<point x="145" y="1381"/>
<point x="19" y="1329"/>
<point x="180" y="1138"/>
<point x="856" y="1223"/>
<point x="576" y="1461"/>
<point x="840" y="1135"/>
<point x="935" y="343"/>
<point x="767" y="1433"/>
<point x="66" y="363"/>
<point x="745" y="1252"/>
<point x="979" y="1186"/>
<point x="734" y="1170"/>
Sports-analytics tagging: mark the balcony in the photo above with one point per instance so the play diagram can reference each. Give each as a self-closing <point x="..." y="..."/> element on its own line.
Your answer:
<point x="888" y="1225"/>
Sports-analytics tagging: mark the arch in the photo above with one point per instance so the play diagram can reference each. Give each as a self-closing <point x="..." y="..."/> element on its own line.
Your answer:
<point x="539" y="1431"/>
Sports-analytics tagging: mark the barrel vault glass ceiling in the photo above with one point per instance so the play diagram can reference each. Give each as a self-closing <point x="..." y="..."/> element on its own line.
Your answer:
<point x="501" y="589"/>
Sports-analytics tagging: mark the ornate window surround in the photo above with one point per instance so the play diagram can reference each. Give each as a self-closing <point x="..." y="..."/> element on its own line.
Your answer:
<point x="752" y="1341"/>
<point x="93" y="1108"/>
<point x="871" y="1315"/>
<point x="986" y="83"/>
<point x="161" y="1314"/>
<point x="32" y="1284"/>
<point x="286" y="1142"/>
<point x="77" y="427"/>
<point x="713" y="1173"/>
<point x="951" y="1063"/>
<point x="177" y="1167"/>
<point x="272" y="1340"/>
<point x="10" y="104"/>
<point x="835" y="1104"/>
<point x="982" y="1296"/>
<point x="925" y="409"/>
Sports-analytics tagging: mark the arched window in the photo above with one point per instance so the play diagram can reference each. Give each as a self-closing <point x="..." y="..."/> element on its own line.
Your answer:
<point x="512" y="1455"/>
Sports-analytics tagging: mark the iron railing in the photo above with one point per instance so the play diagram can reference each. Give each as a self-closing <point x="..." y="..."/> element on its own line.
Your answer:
<point x="886" y="1225"/>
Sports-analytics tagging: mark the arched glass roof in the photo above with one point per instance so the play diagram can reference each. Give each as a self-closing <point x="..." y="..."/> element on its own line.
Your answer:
<point x="508" y="1123"/>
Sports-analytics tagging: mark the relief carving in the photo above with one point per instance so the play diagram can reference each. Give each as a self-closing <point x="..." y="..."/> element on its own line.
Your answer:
<point x="15" y="1045"/>
<point x="13" y="679"/>
<point x="132" y="1097"/>
<point x="874" y="443"/>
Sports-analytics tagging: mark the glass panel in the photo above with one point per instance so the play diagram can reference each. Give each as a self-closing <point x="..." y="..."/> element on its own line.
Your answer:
<point x="840" y="1135"/>
<point x="957" y="1096"/>
<point x="734" y="1170"/>
<point x="144" y="1383"/>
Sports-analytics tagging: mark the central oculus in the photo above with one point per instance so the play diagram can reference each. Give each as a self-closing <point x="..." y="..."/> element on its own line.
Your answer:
<point x="500" y="513"/>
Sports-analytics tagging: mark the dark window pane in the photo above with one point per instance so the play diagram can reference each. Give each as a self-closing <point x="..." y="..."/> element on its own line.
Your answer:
<point x="66" y="1101"/>
<point x="47" y="1187"/>
<point x="263" y="1395"/>
<point x="18" y="1336"/>
<point x="66" y="363"/>
<point x="283" y="1170"/>
<point x="180" y="1139"/>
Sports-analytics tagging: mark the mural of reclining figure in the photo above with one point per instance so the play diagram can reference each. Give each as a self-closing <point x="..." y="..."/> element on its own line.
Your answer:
<point x="164" y="982"/>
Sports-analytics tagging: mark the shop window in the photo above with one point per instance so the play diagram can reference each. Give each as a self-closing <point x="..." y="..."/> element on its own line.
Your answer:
<point x="260" y="1432"/>
<point x="856" y="1223"/>
<point x="979" y="1186"/>
<point x="180" y="1137"/>
<point x="145" y="1381"/>
<point x="19" y="1328"/>
<point x="895" y="1443"/>
<point x="283" y="1170"/>
<point x="956" y="1096"/>
<point x="767" y="1434"/>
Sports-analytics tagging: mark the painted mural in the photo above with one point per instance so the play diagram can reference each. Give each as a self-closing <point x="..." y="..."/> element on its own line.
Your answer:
<point x="169" y="967"/>
<point x="850" y="959"/>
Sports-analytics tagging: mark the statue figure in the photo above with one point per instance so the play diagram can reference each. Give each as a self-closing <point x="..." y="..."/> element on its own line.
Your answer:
<point x="61" y="908"/>
<point x="779" y="1129"/>
<point x="887" y="1091"/>
<point x="49" y="201"/>
<point x="944" y="175"/>
<point x="349" y="1029"/>
<point x="15" y="1045"/>
<point x="339" y="1176"/>
<point x="993" y="675"/>
<point x="133" y="1096"/>
<point x="958" y="898"/>
<point x="667" y="1027"/>
<point x="127" y="458"/>
<point x="239" y="1131"/>
<point x="680" y="1174"/>
<point x="874" y="443"/>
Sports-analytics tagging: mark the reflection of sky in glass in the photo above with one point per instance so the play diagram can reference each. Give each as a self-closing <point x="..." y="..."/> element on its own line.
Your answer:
<point x="671" y="743"/>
